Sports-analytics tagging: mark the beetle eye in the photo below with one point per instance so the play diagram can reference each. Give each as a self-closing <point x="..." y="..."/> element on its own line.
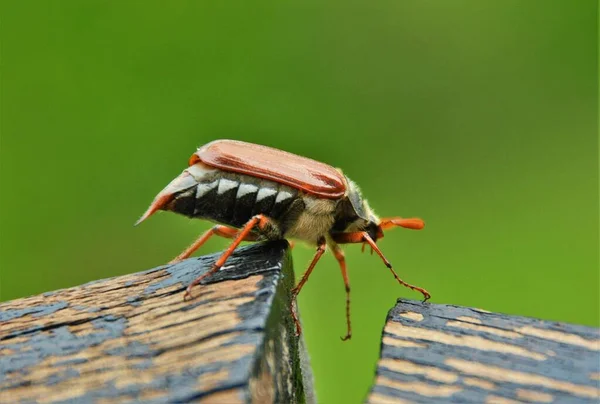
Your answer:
<point x="374" y="231"/>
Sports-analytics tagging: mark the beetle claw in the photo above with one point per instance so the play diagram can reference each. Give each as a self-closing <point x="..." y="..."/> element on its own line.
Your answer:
<point x="187" y="295"/>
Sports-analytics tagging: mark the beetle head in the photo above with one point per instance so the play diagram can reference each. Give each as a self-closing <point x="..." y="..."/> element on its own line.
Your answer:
<point x="355" y="215"/>
<point x="374" y="229"/>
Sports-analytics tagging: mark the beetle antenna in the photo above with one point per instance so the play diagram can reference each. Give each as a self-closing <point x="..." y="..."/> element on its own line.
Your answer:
<point x="409" y="223"/>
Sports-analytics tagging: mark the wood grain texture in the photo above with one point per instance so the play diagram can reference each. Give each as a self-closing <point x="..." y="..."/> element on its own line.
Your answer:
<point x="133" y="338"/>
<point x="439" y="353"/>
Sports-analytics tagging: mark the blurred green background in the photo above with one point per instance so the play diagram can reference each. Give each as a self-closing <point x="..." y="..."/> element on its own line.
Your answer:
<point x="480" y="117"/>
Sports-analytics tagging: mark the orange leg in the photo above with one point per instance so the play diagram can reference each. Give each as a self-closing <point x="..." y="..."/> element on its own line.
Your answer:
<point x="218" y="230"/>
<point x="339" y="255"/>
<point x="243" y="234"/>
<point x="320" y="250"/>
<point x="360" y="237"/>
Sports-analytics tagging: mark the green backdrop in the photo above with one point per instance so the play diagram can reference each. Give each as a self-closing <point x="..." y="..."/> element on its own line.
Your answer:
<point x="478" y="116"/>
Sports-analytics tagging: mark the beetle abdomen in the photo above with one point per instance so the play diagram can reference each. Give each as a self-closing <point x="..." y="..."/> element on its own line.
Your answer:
<point x="231" y="198"/>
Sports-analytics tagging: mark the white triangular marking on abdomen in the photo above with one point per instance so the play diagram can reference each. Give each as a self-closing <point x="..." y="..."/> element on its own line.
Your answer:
<point x="225" y="185"/>
<point x="204" y="188"/>
<point x="282" y="196"/>
<point x="246" y="189"/>
<point x="265" y="193"/>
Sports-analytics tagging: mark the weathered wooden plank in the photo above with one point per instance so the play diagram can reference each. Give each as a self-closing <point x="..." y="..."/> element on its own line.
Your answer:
<point x="133" y="338"/>
<point x="440" y="353"/>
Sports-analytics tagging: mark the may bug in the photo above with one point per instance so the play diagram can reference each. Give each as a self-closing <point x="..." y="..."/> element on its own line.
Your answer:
<point x="269" y="194"/>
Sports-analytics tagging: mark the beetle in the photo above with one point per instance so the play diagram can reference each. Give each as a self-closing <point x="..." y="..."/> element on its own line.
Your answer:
<point x="258" y="193"/>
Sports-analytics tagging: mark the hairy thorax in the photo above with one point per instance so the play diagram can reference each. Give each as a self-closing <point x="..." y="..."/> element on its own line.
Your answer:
<point x="315" y="220"/>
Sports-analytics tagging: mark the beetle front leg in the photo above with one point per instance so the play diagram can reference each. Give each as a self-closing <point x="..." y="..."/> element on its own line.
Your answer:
<point x="363" y="237"/>
<point x="259" y="220"/>
<point x="320" y="250"/>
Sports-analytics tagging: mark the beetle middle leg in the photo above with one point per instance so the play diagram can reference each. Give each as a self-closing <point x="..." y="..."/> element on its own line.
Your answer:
<point x="339" y="256"/>
<point x="244" y="234"/>
<point x="363" y="237"/>
<point x="321" y="245"/>
<point x="218" y="230"/>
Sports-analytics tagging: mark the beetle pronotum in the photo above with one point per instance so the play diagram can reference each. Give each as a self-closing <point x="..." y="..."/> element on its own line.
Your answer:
<point x="269" y="194"/>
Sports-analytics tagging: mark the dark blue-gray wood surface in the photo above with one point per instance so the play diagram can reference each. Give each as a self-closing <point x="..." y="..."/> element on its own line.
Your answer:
<point x="440" y="353"/>
<point x="134" y="339"/>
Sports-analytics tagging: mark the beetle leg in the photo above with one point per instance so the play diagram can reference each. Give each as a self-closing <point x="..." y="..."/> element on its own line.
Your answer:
<point x="218" y="230"/>
<point x="339" y="256"/>
<point x="412" y="223"/>
<point x="362" y="236"/>
<point x="244" y="234"/>
<point x="320" y="250"/>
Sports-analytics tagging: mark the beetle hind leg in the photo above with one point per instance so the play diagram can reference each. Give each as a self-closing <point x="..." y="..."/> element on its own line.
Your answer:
<point x="243" y="235"/>
<point x="320" y="251"/>
<point x="218" y="230"/>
